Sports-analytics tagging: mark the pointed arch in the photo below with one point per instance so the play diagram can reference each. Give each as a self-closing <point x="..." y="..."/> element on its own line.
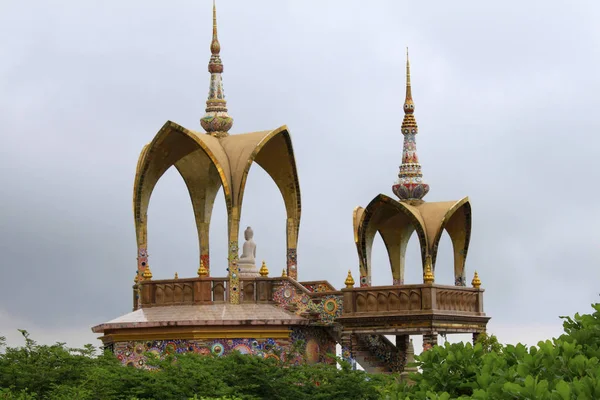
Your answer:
<point x="457" y="222"/>
<point x="396" y="222"/>
<point x="273" y="151"/>
<point x="169" y="147"/>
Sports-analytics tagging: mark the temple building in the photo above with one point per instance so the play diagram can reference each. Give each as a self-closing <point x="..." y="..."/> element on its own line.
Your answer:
<point x="249" y="311"/>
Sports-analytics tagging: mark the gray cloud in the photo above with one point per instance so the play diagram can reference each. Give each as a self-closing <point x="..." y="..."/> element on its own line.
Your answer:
<point x="506" y="98"/>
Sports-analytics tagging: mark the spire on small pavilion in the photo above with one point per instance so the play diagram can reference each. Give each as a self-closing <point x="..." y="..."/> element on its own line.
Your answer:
<point x="410" y="184"/>
<point x="216" y="121"/>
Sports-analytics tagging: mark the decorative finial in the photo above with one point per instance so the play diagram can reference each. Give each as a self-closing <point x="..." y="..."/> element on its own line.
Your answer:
<point x="176" y="276"/>
<point x="349" y="282"/>
<point x="476" y="282"/>
<point x="147" y="273"/>
<point x="410" y="184"/>
<point x="137" y="278"/>
<point x="202" y="271"/>
<point x="216" y="121"/>
<point x="264" y="271"/>
<point x="283" y="273"/>
<point x="428" y="277"/>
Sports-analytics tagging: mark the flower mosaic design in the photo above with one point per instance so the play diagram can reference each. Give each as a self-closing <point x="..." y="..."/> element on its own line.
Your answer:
<point x="135" y="353"/>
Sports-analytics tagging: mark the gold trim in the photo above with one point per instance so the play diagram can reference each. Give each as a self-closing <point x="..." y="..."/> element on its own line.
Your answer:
<point x="200" y="334"/>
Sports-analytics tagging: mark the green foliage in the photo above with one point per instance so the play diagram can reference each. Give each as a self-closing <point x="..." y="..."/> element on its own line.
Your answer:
<point x="57" y="372"/>
<point x="562" y="369"/>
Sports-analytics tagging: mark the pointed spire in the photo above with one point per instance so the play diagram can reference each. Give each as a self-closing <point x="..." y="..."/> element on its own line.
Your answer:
<point x="216" y="121"/>
<point x="410" y="185"/>
<point x="428" y="277"/>
<point x="476" y="282"/>
<point x="264" y="271"/>
<point x="202" y="271"/>
<point x="349" y="280"/>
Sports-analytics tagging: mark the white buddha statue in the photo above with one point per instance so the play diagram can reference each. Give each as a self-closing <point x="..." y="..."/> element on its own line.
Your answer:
<point x="247" y="261"/>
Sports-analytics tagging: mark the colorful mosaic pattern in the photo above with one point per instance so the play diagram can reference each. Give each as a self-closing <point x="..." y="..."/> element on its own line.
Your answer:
<point x="205" y="259"/>
<point x="292" y="263"/>
<point x="398" y="282"/>
<point x="410" y="184"/>
<point x="328" y="307"/>
<point x="234" y="278"/>
<point x="365" y="281"/>
<point x="460" y="281"/>
<point x="317" y="347"/>
<point x="383" y="350"/>
<point x="142" y="260"/>
<point x="318" y="288"/>
<point x="134" y="353"/>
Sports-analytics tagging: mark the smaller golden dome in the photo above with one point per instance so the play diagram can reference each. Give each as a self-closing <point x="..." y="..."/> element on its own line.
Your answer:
<point x="283" y="273"/>
<point x="264" y="271"/>
<point x="428" y="277"/>
<point x="202" y="271"/>
<point x="476" y="282"/>
<point x="147" y="273"/>
<point x="349" y="282"/>
<point x="176" y="276"/>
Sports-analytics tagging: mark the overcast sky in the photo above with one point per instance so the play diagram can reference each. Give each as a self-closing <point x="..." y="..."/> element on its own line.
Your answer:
<point x="506" y="98"/>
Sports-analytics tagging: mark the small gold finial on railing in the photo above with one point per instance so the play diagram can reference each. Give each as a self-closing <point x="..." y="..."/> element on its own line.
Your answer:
<point x="428" y="277"/>
<point x="349" y="282"/>
<point x="137" y="278"/>
<point x="147" y="273"/>
<point x="202" y="271"/>
<point x="283" y="273"/>
<point x="476" y="282"/>
<point x="264" y="271"/>
<point x="176" y="276"/>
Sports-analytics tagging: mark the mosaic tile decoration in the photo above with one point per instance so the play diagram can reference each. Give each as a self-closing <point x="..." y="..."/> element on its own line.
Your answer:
<point x="292" y="263"/>
<point x="205" y="259"/>
<point x="328" y="307"/>
<point x="234" y="278"/>
<point x="318" y="288"/>
<point x="133" y="353"/>
<point x="383" y="350"/>
<point x="318" y="347"/>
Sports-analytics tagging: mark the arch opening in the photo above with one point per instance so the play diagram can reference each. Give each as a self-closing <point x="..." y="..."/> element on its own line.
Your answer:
<point x="171" y="229"/>
<point x="263" y="205"/>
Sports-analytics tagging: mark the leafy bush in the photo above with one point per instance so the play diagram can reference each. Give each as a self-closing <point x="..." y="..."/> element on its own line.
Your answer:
<point x="565" y="368"/>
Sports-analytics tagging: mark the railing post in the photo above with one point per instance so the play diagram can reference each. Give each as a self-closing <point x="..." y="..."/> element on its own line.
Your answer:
<point x="348" y="298"/>
<point x="480" y="301"/>
<point x="429" y="297"/>
<point x="146" y="297"/>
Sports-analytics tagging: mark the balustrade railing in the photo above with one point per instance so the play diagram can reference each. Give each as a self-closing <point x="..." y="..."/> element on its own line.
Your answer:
<point x="382" y="300"/>
<point x="203" y="291"/>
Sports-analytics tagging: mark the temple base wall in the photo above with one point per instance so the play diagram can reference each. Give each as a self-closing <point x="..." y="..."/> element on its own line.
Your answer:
<point x="303" y="345"/>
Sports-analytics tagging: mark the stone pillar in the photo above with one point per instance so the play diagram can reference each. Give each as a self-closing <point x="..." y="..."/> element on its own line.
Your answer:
<point x="402" y="342"/>
<point x="347" y="350"/>
<point x="429" y="340"/>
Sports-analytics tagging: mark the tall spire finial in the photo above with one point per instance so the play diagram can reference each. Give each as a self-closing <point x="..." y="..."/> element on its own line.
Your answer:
<point x="410" y="185"/>
<point x="216" y="121"/>
<point x="408" y="89"/>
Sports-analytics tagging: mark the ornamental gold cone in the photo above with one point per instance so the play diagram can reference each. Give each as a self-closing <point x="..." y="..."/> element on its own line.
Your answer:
<point x="264" y="271"/>
<point x="476" y="282"/>
<point x="349" y="282"/>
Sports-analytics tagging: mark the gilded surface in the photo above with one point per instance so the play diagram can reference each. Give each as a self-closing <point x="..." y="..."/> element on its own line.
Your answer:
<point x="207" y="163"/>
<point x="396" y="221"/>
